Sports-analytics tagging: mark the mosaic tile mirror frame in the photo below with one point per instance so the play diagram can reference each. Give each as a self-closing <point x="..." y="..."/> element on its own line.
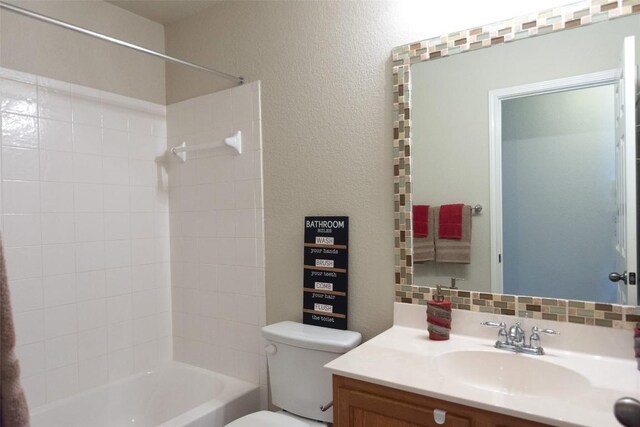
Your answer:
<point x="545" y="22"/>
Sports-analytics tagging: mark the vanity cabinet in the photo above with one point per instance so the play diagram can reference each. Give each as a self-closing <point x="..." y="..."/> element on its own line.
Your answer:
<point x="362" y="404"/>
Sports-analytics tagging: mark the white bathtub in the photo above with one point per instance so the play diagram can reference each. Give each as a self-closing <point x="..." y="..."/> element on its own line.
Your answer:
<point x="174" y="395"/>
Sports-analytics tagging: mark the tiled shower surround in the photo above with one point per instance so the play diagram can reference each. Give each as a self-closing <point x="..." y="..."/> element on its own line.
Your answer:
<point x="111" y="242"/>
<point x="217" y="244"/>
<point x="85" y="219"/>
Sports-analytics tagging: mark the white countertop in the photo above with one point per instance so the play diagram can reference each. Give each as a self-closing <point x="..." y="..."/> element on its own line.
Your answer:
<point x="404" y="358"/>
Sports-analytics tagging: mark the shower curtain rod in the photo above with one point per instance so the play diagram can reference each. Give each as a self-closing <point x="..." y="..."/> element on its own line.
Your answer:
<point x="49" y="20"/>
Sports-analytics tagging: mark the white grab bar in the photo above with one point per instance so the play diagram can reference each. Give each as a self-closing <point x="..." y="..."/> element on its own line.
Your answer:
<point x="234" y="141"/>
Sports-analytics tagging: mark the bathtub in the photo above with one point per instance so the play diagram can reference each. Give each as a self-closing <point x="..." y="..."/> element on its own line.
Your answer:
<point x="174" y="395"/>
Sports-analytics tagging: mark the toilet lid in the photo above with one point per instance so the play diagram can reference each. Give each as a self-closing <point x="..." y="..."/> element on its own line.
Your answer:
<point x="272" y="419"/>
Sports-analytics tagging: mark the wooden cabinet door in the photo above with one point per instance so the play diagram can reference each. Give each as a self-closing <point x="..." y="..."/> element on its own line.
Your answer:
<point x="361" y="404"/>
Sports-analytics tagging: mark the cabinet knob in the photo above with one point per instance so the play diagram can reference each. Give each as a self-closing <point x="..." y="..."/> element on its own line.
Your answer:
<point x="270" y="349"/>
<point x="439" y="416"/>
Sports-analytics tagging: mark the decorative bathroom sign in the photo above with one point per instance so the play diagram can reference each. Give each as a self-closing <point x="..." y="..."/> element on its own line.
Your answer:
<point x="326" y="240"/>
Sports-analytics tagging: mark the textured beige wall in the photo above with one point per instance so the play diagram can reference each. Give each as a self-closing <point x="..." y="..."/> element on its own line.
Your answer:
<point x="40" y="48"/>
<point x="327" y="122"/>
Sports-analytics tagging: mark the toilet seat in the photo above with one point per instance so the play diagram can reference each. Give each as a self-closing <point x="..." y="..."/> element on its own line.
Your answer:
<point x="274" y="419"/>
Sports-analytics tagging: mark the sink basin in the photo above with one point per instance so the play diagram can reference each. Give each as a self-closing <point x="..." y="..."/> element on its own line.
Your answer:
<point x="511" y="373"/>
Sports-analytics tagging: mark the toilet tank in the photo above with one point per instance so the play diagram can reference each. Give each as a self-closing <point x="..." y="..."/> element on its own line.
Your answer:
<point x="296" y="355"/>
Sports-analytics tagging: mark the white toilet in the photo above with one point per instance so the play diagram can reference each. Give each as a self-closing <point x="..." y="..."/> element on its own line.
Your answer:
<point x="296" y="354"/>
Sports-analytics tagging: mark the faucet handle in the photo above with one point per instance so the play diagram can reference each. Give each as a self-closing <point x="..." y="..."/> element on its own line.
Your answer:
<point x="502" y="333"/>
<point x="534" y="340"/>
<point x="494" y="324"/>
<point x="535" y="330"/>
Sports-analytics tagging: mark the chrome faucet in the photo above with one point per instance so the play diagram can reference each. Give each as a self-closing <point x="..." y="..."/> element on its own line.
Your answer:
<point x="515" y="339"/>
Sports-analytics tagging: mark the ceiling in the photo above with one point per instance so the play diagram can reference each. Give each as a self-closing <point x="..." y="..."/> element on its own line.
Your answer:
<point x="164" y="11"/>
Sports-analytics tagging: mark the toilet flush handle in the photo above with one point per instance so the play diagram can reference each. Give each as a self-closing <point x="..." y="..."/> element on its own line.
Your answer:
<point x="325" y="408"/>
<point x="270" y="349"/>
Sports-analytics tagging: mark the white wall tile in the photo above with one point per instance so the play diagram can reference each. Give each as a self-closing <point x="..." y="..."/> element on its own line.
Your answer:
<point x="93" y="372"/>
<point x="20" y="163"/>
<point x="86" y="111"/>
<point x="88" y="197"/>
<point x="19" y="131"/>
<point x="18" y="97"/>
<point x="90" y="256"/>
<point x="22" y="230"/>
<point x="92" y="343"/>
<point x="56" y="197"/>
<point x="91" y="285"/>
<point x="26" y="294"/>
<point x="143" y="277"/>
<point x="144" y="303"/>
<point x="244" y="193"/>
<point x="117" y="253"/>
<point x="117" y="226"/>
<point x="57" y="228"/>
<point x="143" y="199"/>
<point x="59" y="290"/>
<point x="87" y="168"/>
<point x="56" y="166"/>
<point x="117" y="198"/>
<point x="120" y="336"/>
<point x="119" y="281"/>
<point x="225" y="195"/>
<point x="145" y="355"/>
<point x="20" y="197"/>
<point x="114" y="118"/>
<point x="61" y="320"/>
<point x="29" y="327"/>
<point x="143" y="251"/>
<point x="62" y="382"/>
<point x="145" y="329"/>
<point x="55" y="135"/>
<point x="116" y="171"/>
<point x="142" y="225"/>
<point x="58" y="259"/>
<point x="32" y="359"/>
<point x="89" y="227"/>
<point x="53" y="104"/>
<point x="61" y="351"/>
<point x="35" y="390"/>
<point x="119" y="309"/>
<point x="23" y="262"/>
<point x="143" y="172"/>
<point x="92" y="314"/>
<point x="86" y="139"/>
<point x="120" y="363"/>
<point x="115" y="143"/>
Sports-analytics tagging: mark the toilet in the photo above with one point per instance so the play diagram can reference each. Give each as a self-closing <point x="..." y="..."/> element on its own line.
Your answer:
<point x="296" y="355"/>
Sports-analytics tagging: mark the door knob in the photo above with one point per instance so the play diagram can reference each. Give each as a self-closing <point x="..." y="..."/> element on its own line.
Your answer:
<point x="616" y="277"/>
<point x="627" y="411"/>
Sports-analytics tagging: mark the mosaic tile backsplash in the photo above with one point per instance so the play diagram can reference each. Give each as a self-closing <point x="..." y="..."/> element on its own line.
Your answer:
<point x="559" y="310"/>
<point x="552" y="20"/>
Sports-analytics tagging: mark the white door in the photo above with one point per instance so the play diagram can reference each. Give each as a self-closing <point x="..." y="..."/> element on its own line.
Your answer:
<point x="626" y="242"/>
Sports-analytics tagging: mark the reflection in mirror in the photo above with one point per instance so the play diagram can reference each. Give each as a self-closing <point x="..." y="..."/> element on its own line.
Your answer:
<point x="558" y="194"/>
<point x="452" y="157"/>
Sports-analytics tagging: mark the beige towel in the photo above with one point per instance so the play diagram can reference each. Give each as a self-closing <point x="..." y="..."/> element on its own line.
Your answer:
<point x="424" y="247"/>
<point x="13" y="405"/>
<point x="454" y="250"/>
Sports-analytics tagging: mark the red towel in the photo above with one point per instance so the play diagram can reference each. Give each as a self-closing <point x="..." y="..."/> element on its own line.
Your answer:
<point x="420" y="220"/>
<point x="450" y="224"/>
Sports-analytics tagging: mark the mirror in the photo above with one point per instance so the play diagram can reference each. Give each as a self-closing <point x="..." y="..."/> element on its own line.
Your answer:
<point x="451" y="156"/>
